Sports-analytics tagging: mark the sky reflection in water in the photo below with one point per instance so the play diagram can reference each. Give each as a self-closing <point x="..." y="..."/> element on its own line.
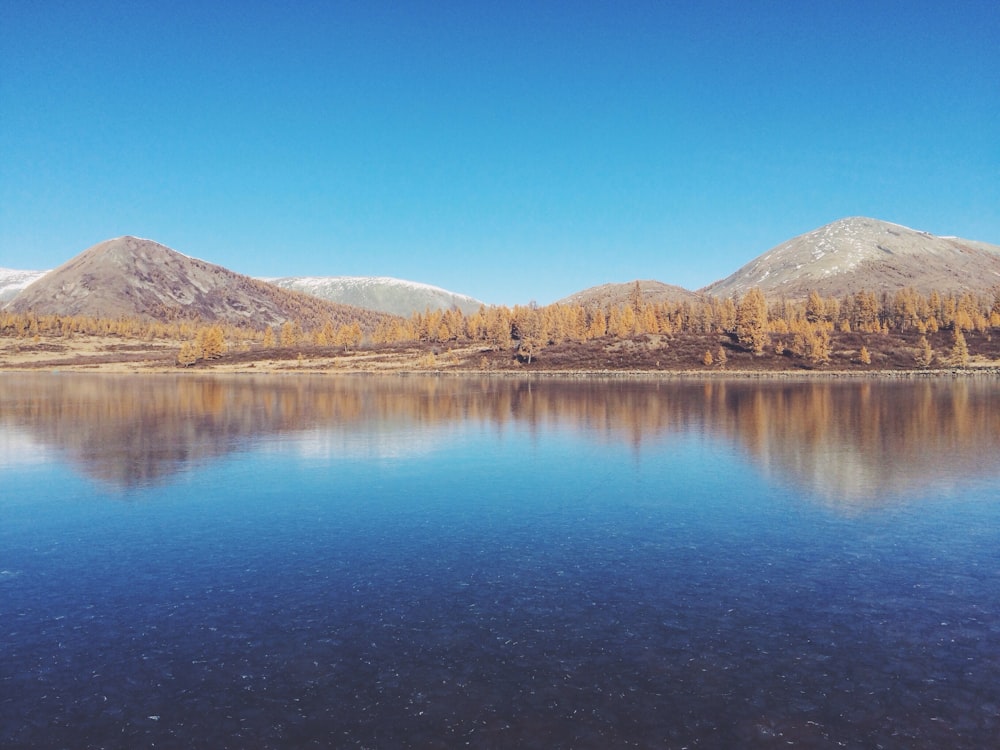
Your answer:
<point x="428" y="562"/>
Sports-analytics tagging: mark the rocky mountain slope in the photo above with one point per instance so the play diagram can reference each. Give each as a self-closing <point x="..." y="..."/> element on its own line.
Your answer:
<point x="382" y="293"/>
<point x="857" y="254"/>
<point x="133" y="277"/>
<point x="13" y="282"/>
<point x="615" y="295"/>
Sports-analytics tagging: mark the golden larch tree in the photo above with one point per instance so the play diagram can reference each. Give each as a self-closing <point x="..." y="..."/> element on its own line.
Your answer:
<point x="751" y="322"/>
<point x="959" y="350"/>
<point x="925" y="355"/>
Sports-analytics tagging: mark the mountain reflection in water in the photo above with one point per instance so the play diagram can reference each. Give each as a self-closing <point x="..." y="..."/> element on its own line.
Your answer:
<point x="847" y="443"/>
<point x="415" y="562"/>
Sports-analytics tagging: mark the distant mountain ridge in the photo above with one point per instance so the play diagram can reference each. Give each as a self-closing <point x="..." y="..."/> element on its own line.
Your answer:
<point x="133" y="277"/>
<point x="129" y="276"/>
<point x="13" y="282"/>
<point x="858" y="253"/>
<point x="381" y="293"/>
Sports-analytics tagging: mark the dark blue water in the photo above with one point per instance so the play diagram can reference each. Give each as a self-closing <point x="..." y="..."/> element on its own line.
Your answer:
<point x="451" y="563"/>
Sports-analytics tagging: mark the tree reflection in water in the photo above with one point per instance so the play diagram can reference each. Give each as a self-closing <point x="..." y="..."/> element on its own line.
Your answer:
<point x="849" y="443"/>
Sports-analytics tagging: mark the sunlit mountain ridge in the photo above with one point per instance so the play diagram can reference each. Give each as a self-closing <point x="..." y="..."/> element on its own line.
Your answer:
<point x="861" y="254"/>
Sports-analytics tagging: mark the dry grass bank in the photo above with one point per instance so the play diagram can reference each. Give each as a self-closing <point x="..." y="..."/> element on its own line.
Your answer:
<point x="649" y="354"/>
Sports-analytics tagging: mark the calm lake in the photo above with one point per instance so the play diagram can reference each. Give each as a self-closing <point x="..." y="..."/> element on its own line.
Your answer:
<point x="435" y="562"/>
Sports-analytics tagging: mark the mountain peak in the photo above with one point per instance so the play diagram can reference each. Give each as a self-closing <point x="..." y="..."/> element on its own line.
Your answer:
<point x="858" y="252"/>
<point x="134" y="277"/>
<point x="126" y="241"/>
<point x="129" y="247"/>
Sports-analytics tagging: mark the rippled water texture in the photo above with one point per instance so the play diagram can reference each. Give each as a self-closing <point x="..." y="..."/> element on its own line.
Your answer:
<point x="444" y="562"/>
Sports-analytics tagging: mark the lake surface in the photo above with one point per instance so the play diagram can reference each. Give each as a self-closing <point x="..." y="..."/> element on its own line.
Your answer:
<point x="428" y="562"/>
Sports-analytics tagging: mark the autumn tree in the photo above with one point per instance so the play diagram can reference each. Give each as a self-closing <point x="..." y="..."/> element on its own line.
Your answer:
<point x="959" y="350"/>
<point x="565" y="322"/>
<point x="188" y="354"/>
<point x="621" y="322"/>
<point x="291" y="333"/>
<point x="428" y="324"/>
<point x="348" y="335"/>
<point x="948" y="309"/>
<point x="529" y="330"/>
<point x="721" y="358"/>
<point x="635" y="298"/>
<point x="818" y="345"/>
<point x="497" y="328"/>
<point x="327" y="332"/>
<point x="646" y="322"/>
<point x="904" y="309"/>
<point x="864" y="312"/>
<point x="815" y="308"/>
<point x="598" y="325"/>
<point x="751" y="322"/>
<point x="211" y="342"/>
<point x="393" y="331"/>
<point x="925" y="355"/>
<point x="727" y="315"/>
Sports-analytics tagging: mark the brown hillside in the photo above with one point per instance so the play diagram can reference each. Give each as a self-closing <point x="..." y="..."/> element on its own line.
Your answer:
<point x="616" y="295"/>
<point x="132" y="277"/>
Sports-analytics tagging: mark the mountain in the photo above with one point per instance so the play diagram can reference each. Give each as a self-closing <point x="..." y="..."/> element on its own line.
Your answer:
<point x="381" y="293"/>
<point x="133" y="277"/>
<point x="13" y="282"/>
<point x="615" y="295"/>
<point x="857" y="254"/>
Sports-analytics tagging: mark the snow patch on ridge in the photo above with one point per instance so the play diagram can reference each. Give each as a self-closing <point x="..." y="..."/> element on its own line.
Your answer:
<point x="382" y="293"/>
<point x="358" y="282"/>
<point x="13" y="281"/>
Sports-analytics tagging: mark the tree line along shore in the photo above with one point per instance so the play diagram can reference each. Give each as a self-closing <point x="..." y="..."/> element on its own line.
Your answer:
<point x="864" y="330"/>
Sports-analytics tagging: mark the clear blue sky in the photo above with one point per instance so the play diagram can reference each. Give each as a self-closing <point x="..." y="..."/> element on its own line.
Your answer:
<point x="513" y="151"/>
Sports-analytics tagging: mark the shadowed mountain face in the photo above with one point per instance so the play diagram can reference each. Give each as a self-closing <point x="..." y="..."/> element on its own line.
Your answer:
<point x="852" y="445"/>
<point x="859" y="254"/>
<point x="617" y="295"/>
<point x="381" y="293"/>
<point x="133" y="277"/>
